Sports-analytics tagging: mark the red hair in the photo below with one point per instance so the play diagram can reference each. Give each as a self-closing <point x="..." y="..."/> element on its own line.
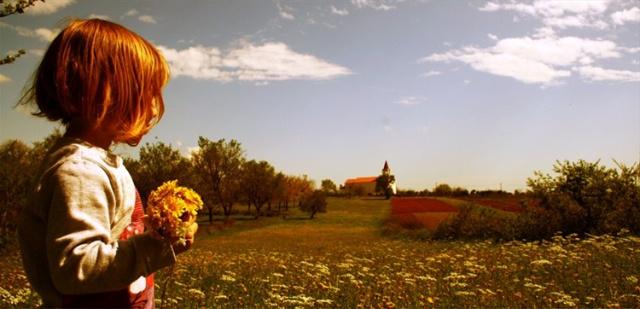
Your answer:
<point x="104" y="74"/>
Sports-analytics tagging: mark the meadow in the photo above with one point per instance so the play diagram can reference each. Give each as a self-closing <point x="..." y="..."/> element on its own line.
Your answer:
<point x="340" y="259"/>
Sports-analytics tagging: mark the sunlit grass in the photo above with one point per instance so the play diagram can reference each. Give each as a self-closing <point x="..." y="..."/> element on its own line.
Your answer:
<point x="339" y="260"/>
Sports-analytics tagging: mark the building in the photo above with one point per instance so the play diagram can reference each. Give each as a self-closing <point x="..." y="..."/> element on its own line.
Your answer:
<point x="366" y="185"/>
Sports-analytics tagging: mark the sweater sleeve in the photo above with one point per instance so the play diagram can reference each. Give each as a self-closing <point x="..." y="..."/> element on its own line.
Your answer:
<point x="82" y="254"/>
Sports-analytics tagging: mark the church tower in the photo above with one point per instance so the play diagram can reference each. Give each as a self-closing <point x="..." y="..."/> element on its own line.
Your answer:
<point x="386" y="170"/>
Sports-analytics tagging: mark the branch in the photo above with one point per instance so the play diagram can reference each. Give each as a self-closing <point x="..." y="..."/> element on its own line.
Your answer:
<point x="12" y="58"/>
<point x="9" y="9"/>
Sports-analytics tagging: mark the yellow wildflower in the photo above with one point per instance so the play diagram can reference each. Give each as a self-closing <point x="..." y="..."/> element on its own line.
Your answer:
<point x="168" y="207"/>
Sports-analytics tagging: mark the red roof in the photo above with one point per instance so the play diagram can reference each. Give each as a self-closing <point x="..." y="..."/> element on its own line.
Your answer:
<point x="361" y="180"/>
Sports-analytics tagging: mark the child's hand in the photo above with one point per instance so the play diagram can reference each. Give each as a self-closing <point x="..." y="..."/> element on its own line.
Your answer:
<point x="189" y="237"/>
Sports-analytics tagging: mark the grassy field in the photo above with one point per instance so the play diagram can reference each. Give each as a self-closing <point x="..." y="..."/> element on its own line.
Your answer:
<point x="340" y="260"/>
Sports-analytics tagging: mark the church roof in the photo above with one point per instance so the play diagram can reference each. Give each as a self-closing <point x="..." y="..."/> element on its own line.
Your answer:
<point x="361" y="180"/>
<point x="386" y="166"/>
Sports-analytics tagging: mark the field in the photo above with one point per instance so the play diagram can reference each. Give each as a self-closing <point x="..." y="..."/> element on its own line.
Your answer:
<point x="420" y="212"/>
<point x="339" y="260"/>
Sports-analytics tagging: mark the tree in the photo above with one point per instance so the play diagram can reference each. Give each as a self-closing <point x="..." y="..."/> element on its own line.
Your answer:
<point x="384" y="184"/>
<point x="328" y="186"/>
<point x="443" y="190"/>
<point x="15" y="179"/>
<point x="219" y="171"/>
<point x="588" y="198"/>
<point x="10" y="9"/>
<point x="258" y="183"/>
<point x="18" y="165"/>
<point x="316" y="202"/>
<point x="158" y="163"/>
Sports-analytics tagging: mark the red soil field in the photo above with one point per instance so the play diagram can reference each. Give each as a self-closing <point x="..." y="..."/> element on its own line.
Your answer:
<point x="419" y="205"/>
<point x="505" y="204"/>
<point x="423" y="219"/>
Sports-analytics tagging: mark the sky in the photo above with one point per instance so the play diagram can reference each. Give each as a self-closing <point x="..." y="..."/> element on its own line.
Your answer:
<point x="474" y="94"/>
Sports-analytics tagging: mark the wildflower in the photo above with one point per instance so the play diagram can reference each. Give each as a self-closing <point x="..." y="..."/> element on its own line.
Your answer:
<point x="168" y="206"/>
<point x="541" y="262"/>
<point x="227" y="278"/>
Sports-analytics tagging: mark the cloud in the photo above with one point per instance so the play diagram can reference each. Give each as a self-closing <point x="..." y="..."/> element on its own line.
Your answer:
<point x="559" y="14"/>
<point x="430" y="73"/>
<point x="413" y="100"/>
<point x="546" y="57"/>
<point x="592" y="73"/>
<point x="143" y="18"/>
<point x="337" y="11"/>
<point x="43" y="34"/>
<point x="98" y="16"/>
<point x="284" y="13"/>
<point x="4" y="79"/>
<point x="543" y="61"/>
<point x="378" y="5"/>
<point x="624" y="16"/>
<point x="147" y="19"/>
<point x="45" y="8"/>
<point x="273" y="61"/>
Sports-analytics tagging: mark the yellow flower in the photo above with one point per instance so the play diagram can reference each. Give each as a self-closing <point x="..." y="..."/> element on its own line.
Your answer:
<point x="168" y="206"/>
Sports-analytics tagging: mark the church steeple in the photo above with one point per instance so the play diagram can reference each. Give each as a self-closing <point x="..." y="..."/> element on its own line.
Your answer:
<point x="386" y="170"/>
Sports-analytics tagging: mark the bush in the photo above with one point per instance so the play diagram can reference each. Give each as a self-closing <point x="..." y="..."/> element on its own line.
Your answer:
<point x="474" y="222"/>
<point x="583" y="198"/>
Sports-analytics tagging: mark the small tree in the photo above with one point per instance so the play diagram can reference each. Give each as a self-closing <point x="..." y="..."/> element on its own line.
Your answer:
<point x="316" y="202"/>
<point x="384" y="184"/>
<point x="218" y="166"/>
<point x="328" y="186"/>
<point x="258" y="182"/>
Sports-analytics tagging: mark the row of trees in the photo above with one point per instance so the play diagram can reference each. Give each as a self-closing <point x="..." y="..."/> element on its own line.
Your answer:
<point x="221" y="174"/>
<point x="219" y="171"/>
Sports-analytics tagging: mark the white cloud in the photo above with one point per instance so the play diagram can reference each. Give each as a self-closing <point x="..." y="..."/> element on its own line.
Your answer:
<point x="430" y="73"/>
<point x="43" y="34"/>
<point x="4" y="79"/>
<point x="378" y="5"/>
<point x="592" y="73"/>
<point x="413" y="100"/>
<point x="631" y="15"/>
<point x="44" y="8"/>
<point x="284" y="13"/>
<point x="130" y="13"/>
<point x="147" y="19"/>
<point x="97" y="16"/>
<point x="271" y="61"/>
<point x="143" y="18"/>
<point x="533" y="61"/>
<point x="337" y="11"/>
<point x="191" y="151"/>
<point x="559" y="14"/>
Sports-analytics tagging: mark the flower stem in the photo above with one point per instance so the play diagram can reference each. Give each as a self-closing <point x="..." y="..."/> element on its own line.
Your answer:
<point x="164" y="285"/>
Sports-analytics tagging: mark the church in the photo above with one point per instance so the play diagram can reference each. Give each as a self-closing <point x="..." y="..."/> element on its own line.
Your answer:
<point x="366" y="185"/>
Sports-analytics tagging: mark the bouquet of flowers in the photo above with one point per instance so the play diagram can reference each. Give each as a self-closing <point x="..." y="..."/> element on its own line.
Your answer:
<point x="169" y="210"/>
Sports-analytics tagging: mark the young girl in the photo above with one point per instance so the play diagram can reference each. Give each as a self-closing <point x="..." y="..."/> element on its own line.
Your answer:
<point x="81" y="236"/>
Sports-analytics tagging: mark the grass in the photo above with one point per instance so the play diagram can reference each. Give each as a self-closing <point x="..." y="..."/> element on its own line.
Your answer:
<point x="340" y="260"/>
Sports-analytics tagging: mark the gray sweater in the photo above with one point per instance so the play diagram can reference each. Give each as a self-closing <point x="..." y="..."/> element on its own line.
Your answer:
<point x="82" y="200"/>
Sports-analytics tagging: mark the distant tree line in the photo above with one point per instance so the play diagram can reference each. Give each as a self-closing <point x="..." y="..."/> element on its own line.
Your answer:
<point x="218" y="170"/>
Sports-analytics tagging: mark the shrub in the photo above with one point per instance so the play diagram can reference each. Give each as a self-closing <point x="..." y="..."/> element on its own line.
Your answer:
<point x="583" y="198"/>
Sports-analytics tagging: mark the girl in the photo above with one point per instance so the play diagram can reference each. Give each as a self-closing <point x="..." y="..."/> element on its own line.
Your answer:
<point x="81" y="236"/>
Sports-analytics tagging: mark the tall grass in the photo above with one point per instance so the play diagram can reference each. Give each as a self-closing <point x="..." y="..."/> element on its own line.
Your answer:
<point x="340" y="260"/>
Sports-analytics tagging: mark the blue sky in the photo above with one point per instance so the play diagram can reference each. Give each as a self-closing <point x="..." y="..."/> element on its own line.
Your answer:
<point x="475" y="94"/>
